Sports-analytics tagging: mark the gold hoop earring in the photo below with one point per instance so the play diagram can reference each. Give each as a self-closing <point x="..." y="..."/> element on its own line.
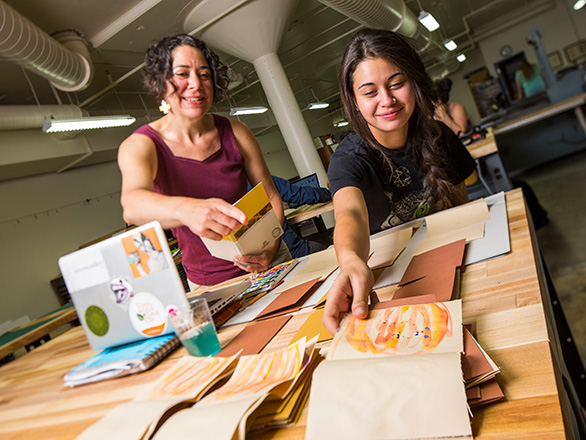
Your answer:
<point x="164" y="107"/>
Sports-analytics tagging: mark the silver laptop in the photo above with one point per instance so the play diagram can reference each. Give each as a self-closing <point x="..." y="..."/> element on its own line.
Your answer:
<point x="121" y="286"/>
<point x="222" y="297"/>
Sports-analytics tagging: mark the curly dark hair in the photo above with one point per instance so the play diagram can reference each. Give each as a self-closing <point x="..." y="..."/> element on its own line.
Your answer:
<point x="158" y="66"/>
<point x="443" y="88"/>
<point x="424" y="132"/>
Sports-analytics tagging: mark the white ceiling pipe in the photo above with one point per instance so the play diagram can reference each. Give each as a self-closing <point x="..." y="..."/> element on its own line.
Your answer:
<point x="383" y="14"/>
<point x="22" y="42"/>
<point x="24" y="117"/>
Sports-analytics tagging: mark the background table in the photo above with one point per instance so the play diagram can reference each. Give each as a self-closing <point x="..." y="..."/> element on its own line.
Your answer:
<point x="504" y="297"/>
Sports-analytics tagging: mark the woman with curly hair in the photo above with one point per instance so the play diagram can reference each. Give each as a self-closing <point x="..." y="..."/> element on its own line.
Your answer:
<point x="399" y="165"/>
<point x="187" y="168"/>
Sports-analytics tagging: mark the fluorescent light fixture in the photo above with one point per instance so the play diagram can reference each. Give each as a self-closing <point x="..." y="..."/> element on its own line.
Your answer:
<point x="317" y="105"/>
<point x="87" y="123"/>
<point x="253" y="110"/>
<point x="461" y="57"/>
<point x="579" y="4"/>
<point x="341" y="124"/>
<point x="428" y="21"/>
<point x="451" y="44"/>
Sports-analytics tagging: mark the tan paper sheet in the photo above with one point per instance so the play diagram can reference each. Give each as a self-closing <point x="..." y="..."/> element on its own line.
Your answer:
<point x="319" y="265"/>
<point x="463" y="222"/>
<point x="420" y="299"/>
<point x="403" y="397"/>
<point x="386" y="247"/>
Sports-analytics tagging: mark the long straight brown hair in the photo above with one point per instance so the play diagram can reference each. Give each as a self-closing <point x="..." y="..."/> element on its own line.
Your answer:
<point x="424" y="131"/>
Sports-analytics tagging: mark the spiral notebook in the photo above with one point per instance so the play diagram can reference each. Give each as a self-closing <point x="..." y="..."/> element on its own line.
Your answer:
<point x="122" y="360"/>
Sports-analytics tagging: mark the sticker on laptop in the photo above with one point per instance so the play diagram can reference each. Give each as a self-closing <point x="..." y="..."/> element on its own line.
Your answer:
<point x="147" y="314"/>
<point x="121" y="289"/>
<point x="144" y="253"/>
<point x="96" y="320"/>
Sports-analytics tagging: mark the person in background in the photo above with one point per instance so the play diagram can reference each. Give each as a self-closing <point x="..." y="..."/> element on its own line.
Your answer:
<point x="296" y="196"/>
<point x="187" y="168"/>
<point x="528" y="79"/>
<point x="400" y="164"/>
<point x="453" y="114"/>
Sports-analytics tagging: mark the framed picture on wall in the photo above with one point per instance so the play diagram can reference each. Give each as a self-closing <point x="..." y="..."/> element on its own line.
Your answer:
<point x="576" y="52"/>
<point x="555" y="59"/>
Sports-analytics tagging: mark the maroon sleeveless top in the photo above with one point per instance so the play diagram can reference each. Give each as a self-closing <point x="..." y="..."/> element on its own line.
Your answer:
<point x="221" y="175"/>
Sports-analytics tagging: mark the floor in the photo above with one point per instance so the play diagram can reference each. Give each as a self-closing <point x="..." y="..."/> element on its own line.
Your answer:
<point x="559" y="187"/>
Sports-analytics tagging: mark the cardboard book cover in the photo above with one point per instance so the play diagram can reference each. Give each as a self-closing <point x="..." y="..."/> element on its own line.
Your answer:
<point x="262" y="230"/>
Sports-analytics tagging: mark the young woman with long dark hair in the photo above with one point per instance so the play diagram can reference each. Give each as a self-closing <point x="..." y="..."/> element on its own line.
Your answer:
<point x="399" y="165"/>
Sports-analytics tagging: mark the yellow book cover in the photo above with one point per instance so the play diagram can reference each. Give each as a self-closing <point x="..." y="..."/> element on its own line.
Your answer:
<point x="263" y="228"/>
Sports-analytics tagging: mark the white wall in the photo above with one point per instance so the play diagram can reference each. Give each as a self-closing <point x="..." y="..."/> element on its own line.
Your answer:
<point x="43" y="218"/>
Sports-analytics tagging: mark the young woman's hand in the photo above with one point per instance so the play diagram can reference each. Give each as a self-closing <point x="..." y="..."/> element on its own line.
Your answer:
<point x="349" y="292"/>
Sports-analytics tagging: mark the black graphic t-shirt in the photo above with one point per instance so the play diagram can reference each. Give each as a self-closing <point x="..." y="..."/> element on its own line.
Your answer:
<point x="399" y="196"/>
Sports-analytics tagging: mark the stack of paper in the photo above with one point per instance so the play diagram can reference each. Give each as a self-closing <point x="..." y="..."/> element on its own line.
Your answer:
<point x="224" y="413"/>
<point x="279" y="414"/>
<point x="479" y="373"/>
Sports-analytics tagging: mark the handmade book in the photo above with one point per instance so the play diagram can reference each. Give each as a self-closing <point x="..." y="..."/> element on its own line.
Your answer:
<point x="395" y="375"/>
<point x="223" y="414"/>
<point x="122" y="360"/>
<point x="262" y="230"/>
<point x="180" y="387"/>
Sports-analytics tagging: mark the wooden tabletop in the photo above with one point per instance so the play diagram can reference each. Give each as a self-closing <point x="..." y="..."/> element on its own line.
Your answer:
<point x="35" y="330"/>
<point x="483" y="147"/>
<point x="502" y="296"/>
<point x="543" y="113"/>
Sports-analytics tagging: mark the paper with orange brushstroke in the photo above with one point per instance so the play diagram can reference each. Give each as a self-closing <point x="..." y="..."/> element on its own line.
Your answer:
<point x="222" y="414"/>
<point x="191" y="376"/>
<point x="403" y="330"/>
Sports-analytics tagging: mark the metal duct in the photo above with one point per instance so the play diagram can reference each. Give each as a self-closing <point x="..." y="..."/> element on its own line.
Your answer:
<point x="67" y="66"/>
<point x="384" y="14"/>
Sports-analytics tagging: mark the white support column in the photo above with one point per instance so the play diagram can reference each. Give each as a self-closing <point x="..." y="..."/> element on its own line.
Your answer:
<point x="291" y="123"/>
